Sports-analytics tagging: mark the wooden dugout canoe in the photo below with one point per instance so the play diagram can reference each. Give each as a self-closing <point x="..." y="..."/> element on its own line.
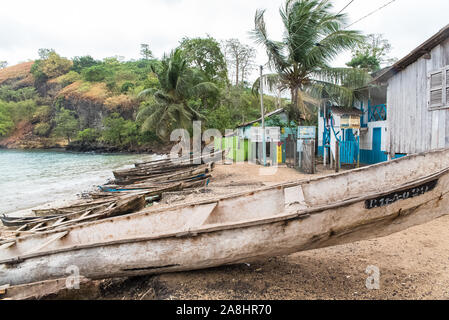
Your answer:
<point x="355" y="205"/>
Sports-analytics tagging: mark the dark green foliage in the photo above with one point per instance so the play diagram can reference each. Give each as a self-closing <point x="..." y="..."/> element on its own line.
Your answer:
<point x="365" y="61"/>
<point x="84" y="62"/>
<point x="95" y="73"/>
<point x="11" y="113"/>
<point x="66" y="124"/>
<point x="39" y="76"/>
<point x="21" y="110"/>
<point x="89" y="135"/>
<point x="42" y="129"/>
<point x="6" y="123"/>
<point x="371" y="53"/>
<point x="221" y="118"/>
<point x="205" y="54"/>
<point x="120" y="132"/>
<point x="126" y="86"/>
<point x="9" y="94"/>
<point x="42" y="114"/>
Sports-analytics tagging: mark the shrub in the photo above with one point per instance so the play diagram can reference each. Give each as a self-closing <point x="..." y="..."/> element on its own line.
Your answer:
<point x="221" y="119"/>
<point x="42" y="114"/>
<point x="84" y="62"/>
<point x="119" y="131"/>
<point x="126" y="86"/>
<point x="95" y="73"/>
<point x="21" y="110"/>
<point x="55" y="65"/>
<point x="6" y="123"/>
<point x="51" y="65"/>
<point x="88" y="135"/>
<point x="66" y="124"/>
<point x="69" y="78"/>
<point x="42" y="129"/>
<point x="8" y="94"/>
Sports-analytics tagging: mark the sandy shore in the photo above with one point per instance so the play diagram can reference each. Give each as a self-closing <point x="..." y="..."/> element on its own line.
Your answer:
<point x="413" y="264"/>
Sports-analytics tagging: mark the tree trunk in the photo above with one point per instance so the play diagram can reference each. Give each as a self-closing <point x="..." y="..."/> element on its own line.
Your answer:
<point x="237" y="62"/>
<point x="294" y="97"/>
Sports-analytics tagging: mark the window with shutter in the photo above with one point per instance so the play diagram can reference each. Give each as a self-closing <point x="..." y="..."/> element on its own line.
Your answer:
<point x="438" y="89"/>
<point x="447" y="86"/>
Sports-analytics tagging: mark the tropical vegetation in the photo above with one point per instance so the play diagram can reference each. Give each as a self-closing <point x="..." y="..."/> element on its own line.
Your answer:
<point x="133" y="103"/>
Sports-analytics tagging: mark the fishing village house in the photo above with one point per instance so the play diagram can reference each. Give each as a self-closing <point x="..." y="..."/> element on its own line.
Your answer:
<point x="245" y="142"/>
<point x="405" y="110"/>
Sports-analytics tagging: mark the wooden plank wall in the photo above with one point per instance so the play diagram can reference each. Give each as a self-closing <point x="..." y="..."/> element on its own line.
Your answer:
<point x="412" y="127"/>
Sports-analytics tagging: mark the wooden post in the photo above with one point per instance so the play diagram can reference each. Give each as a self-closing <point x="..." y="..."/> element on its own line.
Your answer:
<point x="295" y="153"/>
<point x="358" y="151"/>
<point x="262" y="111"/>
<point x="331" y="157"/>
<point x="313" y="156"/>
<point x="337" y="156"/>
<point x="308" y="157"/>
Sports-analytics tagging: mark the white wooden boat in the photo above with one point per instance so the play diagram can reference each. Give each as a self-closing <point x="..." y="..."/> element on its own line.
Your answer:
<point x="360" y="204"/>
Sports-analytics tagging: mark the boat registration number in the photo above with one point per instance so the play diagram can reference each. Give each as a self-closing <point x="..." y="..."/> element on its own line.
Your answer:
<point x="400" y="195"/>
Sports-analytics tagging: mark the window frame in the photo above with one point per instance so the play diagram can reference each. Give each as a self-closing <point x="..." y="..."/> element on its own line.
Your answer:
<point x="444" y="89"/>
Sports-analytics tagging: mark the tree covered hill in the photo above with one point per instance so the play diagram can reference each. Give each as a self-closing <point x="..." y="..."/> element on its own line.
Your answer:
<point x="134" y="105"/>
<point x="113" y="104"/>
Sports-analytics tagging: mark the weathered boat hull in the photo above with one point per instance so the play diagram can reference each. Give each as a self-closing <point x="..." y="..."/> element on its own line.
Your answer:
<point x="268" y="222"/>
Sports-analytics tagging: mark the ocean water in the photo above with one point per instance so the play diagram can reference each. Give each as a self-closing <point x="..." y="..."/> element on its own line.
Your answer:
<point x="32" y="178"/>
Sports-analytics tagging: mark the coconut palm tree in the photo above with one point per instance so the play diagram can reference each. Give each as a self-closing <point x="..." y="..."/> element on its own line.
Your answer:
<point x="170" y="105"/>
<point x="313" y="37"/>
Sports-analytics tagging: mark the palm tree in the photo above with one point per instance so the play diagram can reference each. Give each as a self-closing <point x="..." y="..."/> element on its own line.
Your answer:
<point x="171" y="105"/>
<point x="313" y="37"/>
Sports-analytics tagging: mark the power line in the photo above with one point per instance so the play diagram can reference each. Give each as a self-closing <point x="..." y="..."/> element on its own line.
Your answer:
<point x="345" y="7"/>
<point x="369" y="14"/>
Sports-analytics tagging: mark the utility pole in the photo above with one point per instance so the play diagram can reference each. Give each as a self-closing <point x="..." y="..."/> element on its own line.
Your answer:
<point x="262" y="111"/>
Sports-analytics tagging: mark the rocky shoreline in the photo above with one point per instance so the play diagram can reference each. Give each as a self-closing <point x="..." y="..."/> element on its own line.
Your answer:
<point x="76" y="146"/>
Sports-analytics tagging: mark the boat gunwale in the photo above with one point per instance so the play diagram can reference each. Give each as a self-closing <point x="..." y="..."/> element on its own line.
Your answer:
<point x="299" y="214"/>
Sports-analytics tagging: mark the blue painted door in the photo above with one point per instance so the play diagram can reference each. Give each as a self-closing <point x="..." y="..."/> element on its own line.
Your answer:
<point x="349" y="135"/>
<point x="377" y="154"/>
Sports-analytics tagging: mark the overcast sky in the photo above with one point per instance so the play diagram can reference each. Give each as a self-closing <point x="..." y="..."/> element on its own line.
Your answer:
<point x="104" y="28"/>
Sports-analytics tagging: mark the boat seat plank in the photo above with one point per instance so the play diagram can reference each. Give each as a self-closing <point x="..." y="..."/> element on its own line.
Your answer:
<point x="53" y="239"/>
<point x="7" y="245"/>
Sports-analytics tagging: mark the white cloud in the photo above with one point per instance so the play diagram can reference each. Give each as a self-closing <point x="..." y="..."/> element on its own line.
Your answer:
<point x="116" y="27"/>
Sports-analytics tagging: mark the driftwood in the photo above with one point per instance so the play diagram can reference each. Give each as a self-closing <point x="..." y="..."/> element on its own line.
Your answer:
<point x="84" y="204"/>
<point x="215" y="156"/>
<point x="121" y="205"/>
<point x="42" y="289"/>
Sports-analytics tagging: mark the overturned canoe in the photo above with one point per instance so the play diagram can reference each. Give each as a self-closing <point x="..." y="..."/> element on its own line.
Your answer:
<point x="360" y="204"/>
<point x="17" y="221"/>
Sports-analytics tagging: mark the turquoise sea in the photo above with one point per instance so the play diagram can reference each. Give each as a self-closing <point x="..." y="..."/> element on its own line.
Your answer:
<point x="31" y="178"/>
